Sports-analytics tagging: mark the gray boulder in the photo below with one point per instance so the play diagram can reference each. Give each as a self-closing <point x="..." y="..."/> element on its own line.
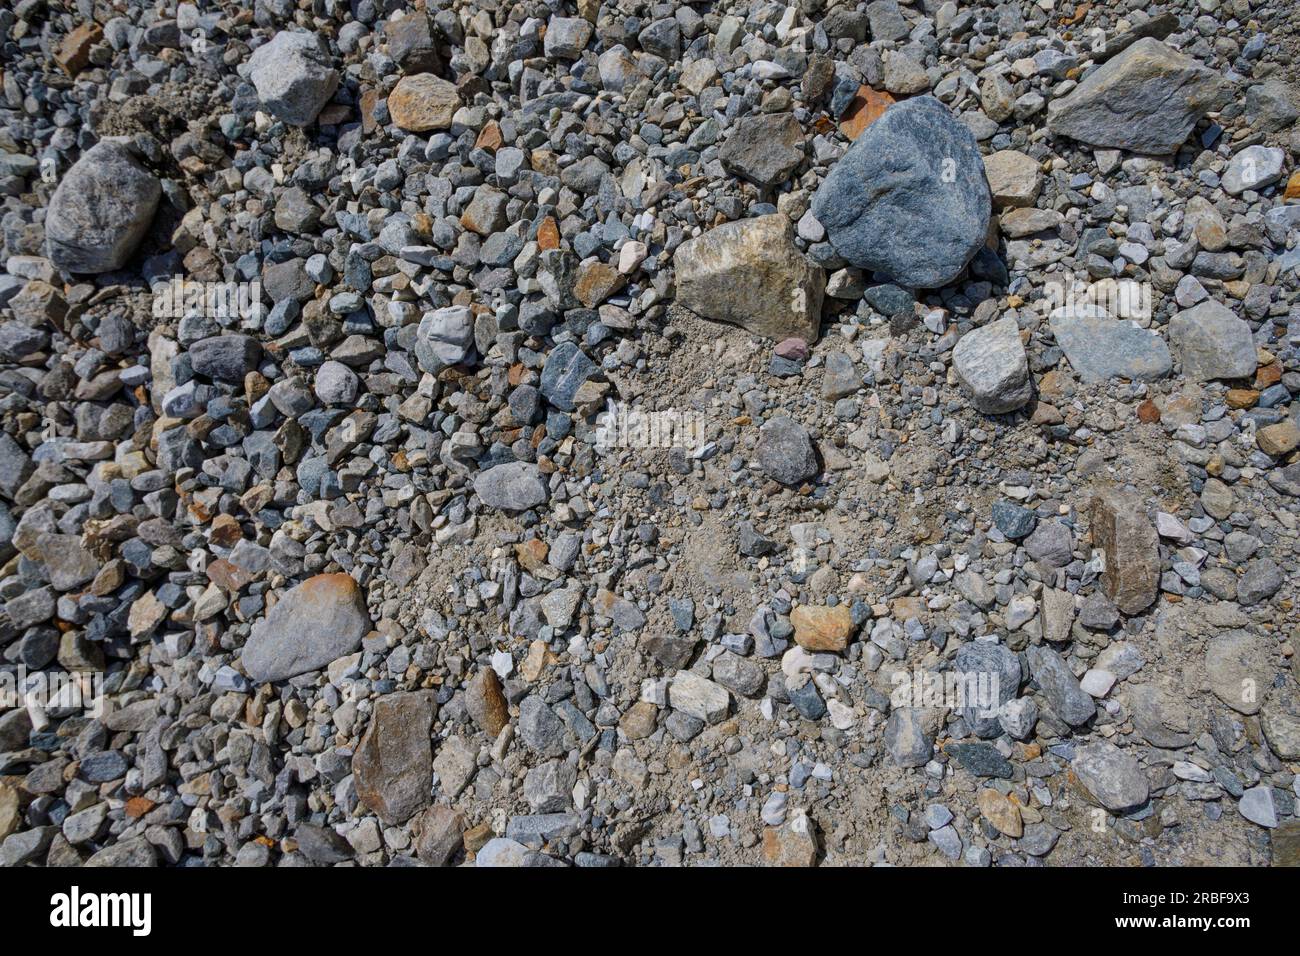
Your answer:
<point x="101" y="210"/>
<point x="294" y="76"/>
<point x="1211" y="342"/>
<point x="1101" y="348"/>
<point x="316" y="622"/>
<point x="991" y="363"/>
<point x="909" y="200"/>
<point x="1146" y="100"/>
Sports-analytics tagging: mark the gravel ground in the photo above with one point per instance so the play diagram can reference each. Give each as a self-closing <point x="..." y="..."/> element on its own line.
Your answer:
<point x="649" y="434"/>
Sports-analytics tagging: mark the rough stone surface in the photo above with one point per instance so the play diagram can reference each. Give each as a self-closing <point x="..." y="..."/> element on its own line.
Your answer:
<point x="1211" y="342"/>
<point x="1101" y="348"/>
<point x="991" y="363"/>
<point x="1121" y="529"/>
<point x="393" y="765"/>
<point x="294" y="76"/>
<point x="1145" y="100"/>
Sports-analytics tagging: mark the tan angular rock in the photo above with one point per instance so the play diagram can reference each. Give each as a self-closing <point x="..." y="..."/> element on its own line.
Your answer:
<point x="73" y="54"/>
<point x="639" y="720"/>
<point x="1014" y="178"/>
<point x="997" y="97"/>
<point x="868" y="105"/>
<point x="820" y="628"/>
<point x="597" y="281"/>
<point x="1121" y="529"/>
<point x="423" y="102"/>
<point x="1000" y="811"/>
<point x="1018" y="223"/>
<point x="1238" y="667"/>
<point x="439" y="834"/>
<point x="10" y="812"/>
<point x="750" y="273"/>
<point x="1279" y="439"/>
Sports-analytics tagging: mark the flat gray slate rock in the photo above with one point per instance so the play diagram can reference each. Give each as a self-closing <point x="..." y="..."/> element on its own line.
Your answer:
<point x="1146" y="100"/>
<point x="1101" y="348"/>
<point x="317" y="622"/>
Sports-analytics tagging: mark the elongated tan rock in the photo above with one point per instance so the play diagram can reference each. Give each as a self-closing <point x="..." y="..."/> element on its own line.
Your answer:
<point x="1121" y="529"/>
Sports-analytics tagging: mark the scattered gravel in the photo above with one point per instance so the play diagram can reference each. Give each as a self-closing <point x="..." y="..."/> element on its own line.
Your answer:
<point x="649" y="434"/>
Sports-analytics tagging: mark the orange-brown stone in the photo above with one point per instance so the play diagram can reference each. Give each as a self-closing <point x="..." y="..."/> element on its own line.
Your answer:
<point x="548" y="234"/>
<point x="1242" y="397"/>
<point x="73" y="54"/>
<point x="821" y="628"/>
<point x="490" y="137"/>
<point x="1293" y="187"/>
<point x="868" y="105"/>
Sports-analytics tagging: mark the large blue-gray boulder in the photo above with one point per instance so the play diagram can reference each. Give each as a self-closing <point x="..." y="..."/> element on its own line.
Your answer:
<point x="909" y="200"/>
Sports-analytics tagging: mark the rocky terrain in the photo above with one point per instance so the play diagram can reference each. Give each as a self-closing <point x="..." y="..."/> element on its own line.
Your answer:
<point x="536" y="433"/>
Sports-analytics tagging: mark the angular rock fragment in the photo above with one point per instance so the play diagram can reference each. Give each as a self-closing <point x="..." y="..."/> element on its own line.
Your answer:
<point x="909" y="736"/>
<point x="749" y="273"/>
<point x="1111" y="776"/>
<point x="1146" y="99"/>
<point x="1121" y="529"/>
<point x="294" y="76"/>
<point x="1211" y="342"/>
<point x="1101" y="348"/>
<point x="764" y="149"/>
<point x="393" y="765"/>
<point x="1061" y="688"/>
<point x="422" y="102"/>
<point x="990" y="361"/>
<point x="699" y="698"/>
<point x="1238" y="670"/>
<point x="101" y="210"/>
<point x="513" y="486"/>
